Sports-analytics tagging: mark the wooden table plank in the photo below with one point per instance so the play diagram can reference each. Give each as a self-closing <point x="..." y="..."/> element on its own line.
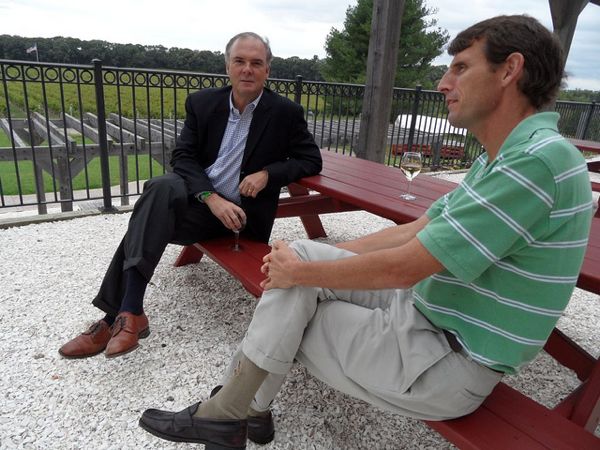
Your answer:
<point x="585" y="145"/>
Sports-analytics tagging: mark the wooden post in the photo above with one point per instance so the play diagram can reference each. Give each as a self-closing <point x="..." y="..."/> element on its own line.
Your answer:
<point x="40" y="191"/>
<point x="64" y="174"/>
<point x="381" y="71"/>
<point x="564" y="19"/>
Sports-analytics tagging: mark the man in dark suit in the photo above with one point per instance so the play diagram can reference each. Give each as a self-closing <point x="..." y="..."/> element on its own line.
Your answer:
<point x="239" y="145"/>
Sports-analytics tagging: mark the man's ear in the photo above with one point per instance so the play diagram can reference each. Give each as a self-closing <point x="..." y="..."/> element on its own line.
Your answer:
<point x="513" y="68"/>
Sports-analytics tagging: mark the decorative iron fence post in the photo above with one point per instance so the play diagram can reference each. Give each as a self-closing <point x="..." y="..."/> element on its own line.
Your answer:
<point x="413" y="119"/>
<point x="298" y="91"/>
<point x="102" y="140"/>
<point x="588" y="119"/>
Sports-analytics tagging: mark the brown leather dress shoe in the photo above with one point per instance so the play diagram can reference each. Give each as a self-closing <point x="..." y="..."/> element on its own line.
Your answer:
<point x="127" y="330"/>
<point x="88" y="343"/>
<point x="182" y="426"/>
<point x="261" y="429"/>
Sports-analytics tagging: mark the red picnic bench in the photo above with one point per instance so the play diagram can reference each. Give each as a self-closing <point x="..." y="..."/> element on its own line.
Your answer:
<point x="507" y="418"/>
<point x="446" y="151"/>
<point x="593" y="166"/>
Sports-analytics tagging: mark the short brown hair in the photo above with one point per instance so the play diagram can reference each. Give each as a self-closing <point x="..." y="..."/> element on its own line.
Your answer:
<point x="503" y="35"/>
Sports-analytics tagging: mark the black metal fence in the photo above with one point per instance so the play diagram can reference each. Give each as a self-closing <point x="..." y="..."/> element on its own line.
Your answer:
<point x="86" y="132"/>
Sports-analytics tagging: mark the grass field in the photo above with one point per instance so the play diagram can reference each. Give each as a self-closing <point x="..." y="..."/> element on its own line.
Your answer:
<point x="4" y="140"/>
<point x="10" y="186"/>
<point x="151" y="102"/>
<point x="9" y="181"/>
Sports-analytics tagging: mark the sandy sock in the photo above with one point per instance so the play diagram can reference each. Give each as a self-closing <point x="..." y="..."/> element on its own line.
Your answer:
<point x="233" y="400"/>
<point x="255" y="413"/>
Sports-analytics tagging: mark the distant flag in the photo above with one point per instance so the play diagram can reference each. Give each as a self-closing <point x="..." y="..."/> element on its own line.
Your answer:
<point x="32" y="49"/>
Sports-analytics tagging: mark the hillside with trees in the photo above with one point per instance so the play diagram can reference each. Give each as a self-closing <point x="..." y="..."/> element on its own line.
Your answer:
<point x="69" y="50"/>
<point x="580" y="95"/>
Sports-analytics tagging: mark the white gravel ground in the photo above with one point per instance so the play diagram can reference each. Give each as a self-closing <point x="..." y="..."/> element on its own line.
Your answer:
<point x="198" y="314"/>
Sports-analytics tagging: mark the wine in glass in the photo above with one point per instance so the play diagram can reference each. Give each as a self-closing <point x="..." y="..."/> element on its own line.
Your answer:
<point x="411" y="164"/>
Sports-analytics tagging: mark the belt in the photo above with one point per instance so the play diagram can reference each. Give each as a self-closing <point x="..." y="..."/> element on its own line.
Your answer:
<point x="457" y="347"/>
<point x="454" y="344"/>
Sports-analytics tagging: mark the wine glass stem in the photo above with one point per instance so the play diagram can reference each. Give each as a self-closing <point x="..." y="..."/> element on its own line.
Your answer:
<point x="409" y="184"/>
<point x="236" y="245"/>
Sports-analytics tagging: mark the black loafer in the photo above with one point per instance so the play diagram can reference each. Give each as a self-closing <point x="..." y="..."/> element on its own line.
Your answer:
<point x="182" y="426"/>
<point x="261" y="429"/>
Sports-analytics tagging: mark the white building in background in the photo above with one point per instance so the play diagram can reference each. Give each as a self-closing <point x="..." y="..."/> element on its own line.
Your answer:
<point x="428" y="124"/>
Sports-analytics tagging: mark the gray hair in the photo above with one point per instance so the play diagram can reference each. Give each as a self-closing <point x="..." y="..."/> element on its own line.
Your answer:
<point x="249" y="35"/>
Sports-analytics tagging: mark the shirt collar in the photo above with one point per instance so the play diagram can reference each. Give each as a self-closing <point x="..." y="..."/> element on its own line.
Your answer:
<point x="528" y="126"/>
<point x="252" y="105"/>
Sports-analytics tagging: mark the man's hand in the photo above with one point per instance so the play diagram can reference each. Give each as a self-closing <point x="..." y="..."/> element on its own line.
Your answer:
<point x="252" y="184"/>
<point x="230" y="214"/>
<point x="279" y="267"/>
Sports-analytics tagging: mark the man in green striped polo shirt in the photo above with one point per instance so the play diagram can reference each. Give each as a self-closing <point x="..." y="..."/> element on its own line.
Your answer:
<point x="424" y="318"/>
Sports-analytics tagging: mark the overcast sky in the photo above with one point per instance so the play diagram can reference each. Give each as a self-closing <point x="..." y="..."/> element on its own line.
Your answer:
<point x="295" y="27"/>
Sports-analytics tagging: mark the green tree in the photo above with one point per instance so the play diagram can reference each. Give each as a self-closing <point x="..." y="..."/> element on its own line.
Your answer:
<point x="289" y="68"/>
<point x="434" y="76"/>
<point x="580" y="95"/>
<point x="421" y="41"/>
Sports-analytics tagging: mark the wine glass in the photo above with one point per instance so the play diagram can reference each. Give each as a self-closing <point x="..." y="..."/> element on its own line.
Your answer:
<point x="411" y="164"/>
<point x="236" y="236"/>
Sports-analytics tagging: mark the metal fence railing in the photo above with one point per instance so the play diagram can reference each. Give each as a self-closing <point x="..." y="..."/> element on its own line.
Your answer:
<point x="87" y="132"/>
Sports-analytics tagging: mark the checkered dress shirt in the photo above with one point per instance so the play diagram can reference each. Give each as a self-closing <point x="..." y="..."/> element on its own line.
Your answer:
<point x="224" y="173"/>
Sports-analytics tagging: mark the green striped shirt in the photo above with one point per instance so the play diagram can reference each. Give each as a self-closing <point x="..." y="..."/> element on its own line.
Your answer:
<point x="512" y="238"/>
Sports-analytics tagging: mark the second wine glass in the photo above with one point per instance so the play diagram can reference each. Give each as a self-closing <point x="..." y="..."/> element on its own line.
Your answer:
<point x="411" y="165"/>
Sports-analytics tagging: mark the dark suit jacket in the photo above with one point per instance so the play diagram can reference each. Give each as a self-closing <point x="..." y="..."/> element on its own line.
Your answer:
<point x="278" y="141"/>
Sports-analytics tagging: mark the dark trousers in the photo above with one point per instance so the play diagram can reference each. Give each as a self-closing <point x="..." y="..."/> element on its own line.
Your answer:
<point x="163" y="214"/>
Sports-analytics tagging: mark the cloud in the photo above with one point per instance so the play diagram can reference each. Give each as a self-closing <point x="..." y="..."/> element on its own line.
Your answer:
<point x="592" y="84"/>
<point x="582" y="64"/>
<point x="316" y="11"/>
<point x="295" y="28"/>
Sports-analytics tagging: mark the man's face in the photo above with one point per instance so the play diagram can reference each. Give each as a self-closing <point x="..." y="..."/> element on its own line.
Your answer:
<point x="247" y="68"/>
<point x="472" y="88"/>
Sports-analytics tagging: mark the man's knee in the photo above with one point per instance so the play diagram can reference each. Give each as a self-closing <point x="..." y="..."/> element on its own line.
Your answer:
<point x="168" y="190"/>
<point x="168" y="181"/>
<point x="308" y="250"/>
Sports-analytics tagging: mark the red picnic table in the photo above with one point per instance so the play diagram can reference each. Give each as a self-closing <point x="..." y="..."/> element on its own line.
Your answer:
<point x="593" y="166"/>
<point x="585" y="145"/>
<point x="507" y="417"/>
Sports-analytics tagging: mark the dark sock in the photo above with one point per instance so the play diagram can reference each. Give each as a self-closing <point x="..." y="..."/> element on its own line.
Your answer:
<point x="109" y="319"/>
<point x="135" y="287"/>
